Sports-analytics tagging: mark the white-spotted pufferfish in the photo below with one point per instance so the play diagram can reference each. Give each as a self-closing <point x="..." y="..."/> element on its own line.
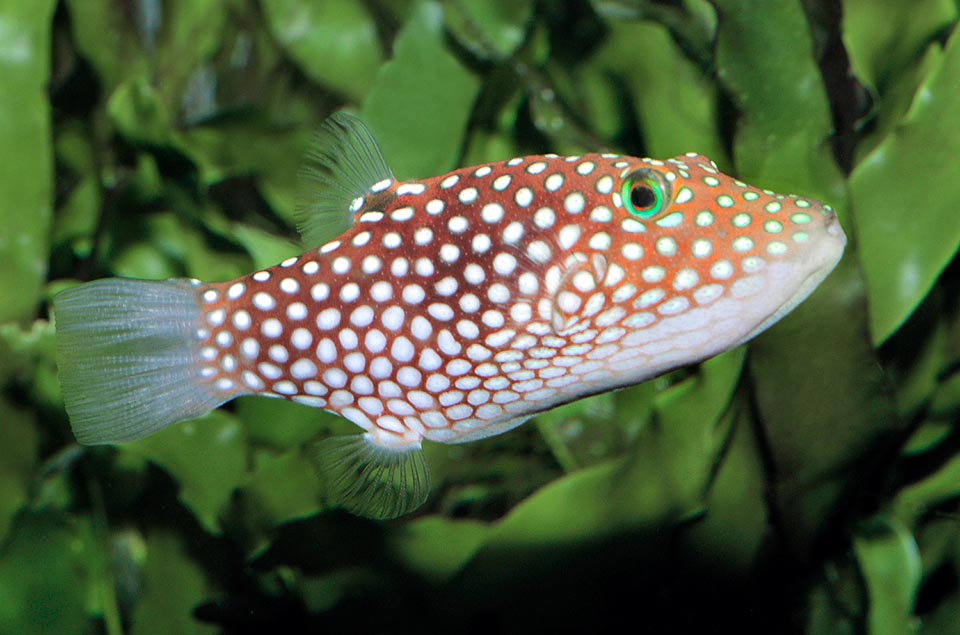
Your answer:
<point x="452" y="308"/>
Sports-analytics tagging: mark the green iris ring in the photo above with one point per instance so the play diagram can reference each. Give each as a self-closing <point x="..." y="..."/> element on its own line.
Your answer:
<point x="656" y="185"/>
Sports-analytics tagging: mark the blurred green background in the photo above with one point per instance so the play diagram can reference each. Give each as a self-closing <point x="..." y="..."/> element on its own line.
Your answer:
<point x="808" y="483"/>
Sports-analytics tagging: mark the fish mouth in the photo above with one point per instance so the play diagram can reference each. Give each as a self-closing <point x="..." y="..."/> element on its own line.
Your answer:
<point x="834" y="229"/>
<point x="823" y="257"/>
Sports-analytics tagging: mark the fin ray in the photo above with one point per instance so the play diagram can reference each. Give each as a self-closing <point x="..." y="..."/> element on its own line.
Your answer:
<point x="126" y="358"/>
<point x="372" y="481"/>
<point x="341" y="165"/>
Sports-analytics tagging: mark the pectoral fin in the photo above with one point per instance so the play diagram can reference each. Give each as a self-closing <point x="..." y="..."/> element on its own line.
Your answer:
<point x="577" y="292"/>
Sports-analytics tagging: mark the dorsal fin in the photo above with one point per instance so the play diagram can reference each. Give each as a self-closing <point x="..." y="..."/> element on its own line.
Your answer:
<point x="341" y="165"/>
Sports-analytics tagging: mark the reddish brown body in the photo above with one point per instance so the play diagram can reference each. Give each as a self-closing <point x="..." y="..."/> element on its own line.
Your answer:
<point x="458" y="306"/>
<point x="452" y="308"/>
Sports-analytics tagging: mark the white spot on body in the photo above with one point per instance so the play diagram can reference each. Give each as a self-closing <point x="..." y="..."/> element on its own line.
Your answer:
<point x="236" y="290"/>
<point x="411" y="188"/>
<point x="632" y="251"/>
<point x="685" y="279"/>
<point x="289" y="286"/>
<point x="297" y="311"/>
<point x="474" y="274"/>
<point x="666" y="246"/>
<point x="371" y="264"/>
<point x="279" y="353"/>
<point x="674" y="306"/>
<point x="449" y="254"/>
<point x="421" y="328"/>
<point x="301" y="339"/>
<point x="328" y="319"/>
<point x="721" y="270"/>
<point x="440" y="311"/>
<point x="480" y="243"/>
<point x="250" y="348"/>
<point x="468" y="195"/>
<point x="574" y="203"/>
<point x="216" y="317"/>
<point x="708" y="293"/>
<point x="544" y="218"/>
<point x="492" y="213"/>
<point x="400" y="267"/>
<point x="381" y="291"/>
<point x="527" y="283"/>
<point x="504" y="264"/>
<point x="423" y="236"/>
<point x="553" y="182"/>
<point x="523" y="197"/>
<point x="391" y="240"/>
<point x="393" y="318"/>
<point x="320" y="291"/>
<point x="434" y="206"/>
<point x="512" y="233"/>
<point x="501" y="182"/>
<point x="272" y="328"/>
<point x="241" y="320"/>
<point x="303" y="369"/>
<point x="568" y="236"/>
<point x="402" y="349"/>
<point x="264" y="301"/>
<point x="423" y="267"/>
<point x="446" y="287"/>
<point x="604" y="184"/>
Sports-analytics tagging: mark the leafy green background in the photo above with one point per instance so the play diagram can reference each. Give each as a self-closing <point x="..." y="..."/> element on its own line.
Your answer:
<point x="808" y="483"/>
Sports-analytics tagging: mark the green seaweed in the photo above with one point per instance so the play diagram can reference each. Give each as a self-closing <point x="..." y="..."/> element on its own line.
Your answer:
<point x="806" y="482"/>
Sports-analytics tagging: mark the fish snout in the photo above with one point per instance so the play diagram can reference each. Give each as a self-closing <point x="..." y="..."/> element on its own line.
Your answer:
<point x="827" y="242"/>
<point x="833" y="227"/>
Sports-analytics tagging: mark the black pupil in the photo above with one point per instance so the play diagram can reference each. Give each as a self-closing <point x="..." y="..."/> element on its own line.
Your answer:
<point x="642" y="196"/>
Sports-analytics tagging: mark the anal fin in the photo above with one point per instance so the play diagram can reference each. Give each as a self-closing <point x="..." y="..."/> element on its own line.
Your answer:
<point x="370" y="480"/>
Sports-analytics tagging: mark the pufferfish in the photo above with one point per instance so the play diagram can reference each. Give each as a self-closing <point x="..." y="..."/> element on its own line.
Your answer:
<point x="452" y="308"/>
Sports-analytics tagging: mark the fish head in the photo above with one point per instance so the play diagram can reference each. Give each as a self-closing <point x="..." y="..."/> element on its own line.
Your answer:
<point x="709" y="261"/>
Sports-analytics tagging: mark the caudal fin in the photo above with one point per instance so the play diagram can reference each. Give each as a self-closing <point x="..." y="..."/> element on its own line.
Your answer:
<point x="126" y="350"/>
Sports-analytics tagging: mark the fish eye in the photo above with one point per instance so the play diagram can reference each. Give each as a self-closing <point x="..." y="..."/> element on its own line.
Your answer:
<point x="644" y="193"/>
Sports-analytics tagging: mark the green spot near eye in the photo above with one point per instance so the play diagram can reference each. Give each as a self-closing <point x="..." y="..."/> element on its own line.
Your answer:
<point x="800" y="218"/>
<point x="724" y="201"/>
<point x="773" y="207"/>
<point x="704" y="219"/>
<point x="776" y="248"/>
<point x="670" y="220"/>
<point x="802" y="203"/>
<point x="750" y="196"/>
<point x="741" y="220"/>
<point x="773" y="227"/>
